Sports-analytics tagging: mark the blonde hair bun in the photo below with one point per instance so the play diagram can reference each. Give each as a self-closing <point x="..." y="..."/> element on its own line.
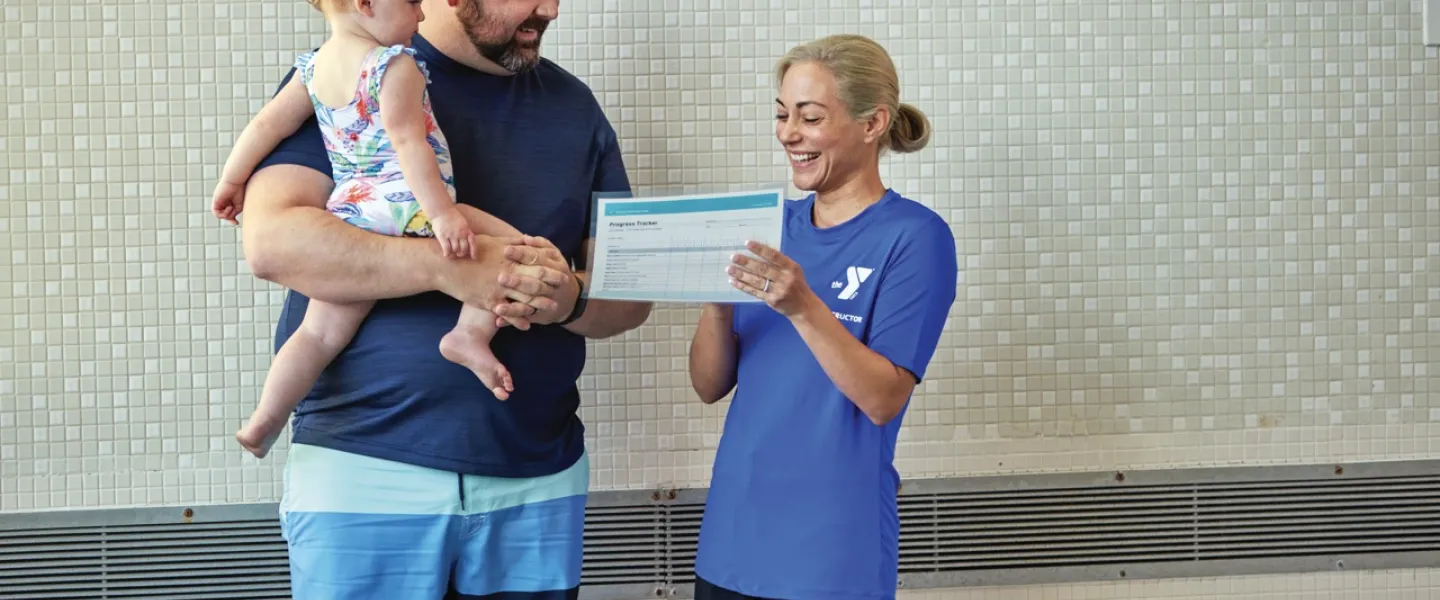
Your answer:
<point x="910" y="131"/>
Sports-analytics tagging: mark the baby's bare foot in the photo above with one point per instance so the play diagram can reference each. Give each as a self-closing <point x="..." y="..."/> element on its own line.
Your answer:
<point x="466" y="348"/>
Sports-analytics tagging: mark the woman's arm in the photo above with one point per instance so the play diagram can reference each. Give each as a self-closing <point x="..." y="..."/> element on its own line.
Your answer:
<point x="712" y="353"/>
<point x="908" y="316"/>
<point x="876" y="386"/>
<point x="870" y="380"/>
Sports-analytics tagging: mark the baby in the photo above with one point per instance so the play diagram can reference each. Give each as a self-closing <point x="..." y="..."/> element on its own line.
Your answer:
<point x="392" y="174"/>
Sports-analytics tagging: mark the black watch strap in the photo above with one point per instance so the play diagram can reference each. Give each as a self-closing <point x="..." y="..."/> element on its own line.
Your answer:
<point x="579" y="308"/>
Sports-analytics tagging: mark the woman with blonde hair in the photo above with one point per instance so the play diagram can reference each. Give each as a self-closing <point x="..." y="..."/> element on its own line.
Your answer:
<point x="802" y="503"/>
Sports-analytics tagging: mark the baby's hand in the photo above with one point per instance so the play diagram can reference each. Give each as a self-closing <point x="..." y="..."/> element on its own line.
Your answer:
<point x="228" y="201"/>
<point x="453" y="233"/>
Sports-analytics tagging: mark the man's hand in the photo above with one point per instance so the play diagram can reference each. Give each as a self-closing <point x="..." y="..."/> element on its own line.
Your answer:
<point x="540" y="270"/>
<point x="521" y="294"/>
<point x="540" y="274"/>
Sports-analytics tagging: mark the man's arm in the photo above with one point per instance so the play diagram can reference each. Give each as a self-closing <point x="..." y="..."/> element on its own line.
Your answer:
<point x="290" y="239"/>
<point x="604" y="318"/>
<point x="540" y="264"/>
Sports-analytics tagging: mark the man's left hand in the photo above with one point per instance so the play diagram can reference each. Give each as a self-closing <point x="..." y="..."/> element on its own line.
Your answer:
<point x="539" y="270"/>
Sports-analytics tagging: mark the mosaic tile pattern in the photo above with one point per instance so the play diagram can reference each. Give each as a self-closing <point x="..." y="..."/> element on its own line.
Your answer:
<point x="1192" y="233"/>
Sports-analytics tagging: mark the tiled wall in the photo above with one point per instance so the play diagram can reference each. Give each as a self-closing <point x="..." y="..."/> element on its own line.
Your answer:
<point x="1192" y="233"/>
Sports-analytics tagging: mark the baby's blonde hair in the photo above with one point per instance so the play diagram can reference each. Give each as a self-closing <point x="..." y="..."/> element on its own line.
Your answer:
<point x="327" y="6"/>
<point x="867" y="80"/>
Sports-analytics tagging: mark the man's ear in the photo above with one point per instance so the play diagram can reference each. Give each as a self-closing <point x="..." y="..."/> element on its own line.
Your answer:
<point x="878" y="124"/>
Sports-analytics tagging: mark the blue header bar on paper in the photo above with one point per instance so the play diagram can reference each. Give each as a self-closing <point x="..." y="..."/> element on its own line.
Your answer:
<point x="686" y="205"/>
<point x="595" y="199"/>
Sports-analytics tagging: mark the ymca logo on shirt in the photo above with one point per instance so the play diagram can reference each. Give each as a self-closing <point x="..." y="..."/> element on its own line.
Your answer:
<point x="854" y="276"/>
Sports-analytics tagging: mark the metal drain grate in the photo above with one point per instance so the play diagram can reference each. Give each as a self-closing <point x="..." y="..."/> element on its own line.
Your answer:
<point x="1149" y="524"/>
<point x="640" y="550"/>
<point x="239" y="560"/>
<point x="954" y="532"/>
<point x="1212" y="522"/>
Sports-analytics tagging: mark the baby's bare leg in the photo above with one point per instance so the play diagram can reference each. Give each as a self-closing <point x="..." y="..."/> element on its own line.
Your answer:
<point x="469" y="343"/>
<point x="483" y="223"/>
<point x="324" y="332"/>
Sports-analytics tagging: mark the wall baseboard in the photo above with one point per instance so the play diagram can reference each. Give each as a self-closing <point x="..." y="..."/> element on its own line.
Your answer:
<point x="956" y="532"/>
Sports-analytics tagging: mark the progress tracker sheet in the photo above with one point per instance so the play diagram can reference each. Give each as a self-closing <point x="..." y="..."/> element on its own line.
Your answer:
<point x="677" y="248"/>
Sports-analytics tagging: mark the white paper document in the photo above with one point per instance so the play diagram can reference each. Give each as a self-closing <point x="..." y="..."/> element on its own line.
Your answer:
<point x="677" y="248"/>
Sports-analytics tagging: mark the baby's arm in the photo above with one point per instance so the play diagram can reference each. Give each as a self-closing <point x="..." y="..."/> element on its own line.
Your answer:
<point x="278" y="119"/>
<point x="401" y="98"/>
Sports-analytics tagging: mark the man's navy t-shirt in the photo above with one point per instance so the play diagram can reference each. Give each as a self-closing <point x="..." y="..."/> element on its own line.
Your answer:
<point x="530" y="149"/>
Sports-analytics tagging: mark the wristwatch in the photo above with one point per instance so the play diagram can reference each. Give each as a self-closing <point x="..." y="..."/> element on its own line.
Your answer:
<point x="579" y="308"/>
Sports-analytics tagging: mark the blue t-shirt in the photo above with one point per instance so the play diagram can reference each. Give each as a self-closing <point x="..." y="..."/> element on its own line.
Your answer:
<point x="802" y="503"/>
<point x="530" y="149"/>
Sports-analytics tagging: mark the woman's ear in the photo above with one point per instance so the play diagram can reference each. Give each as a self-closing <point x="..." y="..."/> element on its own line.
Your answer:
<point x="878" y="124"/>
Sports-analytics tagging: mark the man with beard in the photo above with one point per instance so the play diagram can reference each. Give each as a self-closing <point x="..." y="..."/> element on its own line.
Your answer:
<point x="406" y="477"/>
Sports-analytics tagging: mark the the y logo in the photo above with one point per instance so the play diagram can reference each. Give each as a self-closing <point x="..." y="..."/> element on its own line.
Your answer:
<point x="854" y="276"/>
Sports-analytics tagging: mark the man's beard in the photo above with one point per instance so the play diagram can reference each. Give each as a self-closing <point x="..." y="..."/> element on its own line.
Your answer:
<point x="511" y="55"/>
